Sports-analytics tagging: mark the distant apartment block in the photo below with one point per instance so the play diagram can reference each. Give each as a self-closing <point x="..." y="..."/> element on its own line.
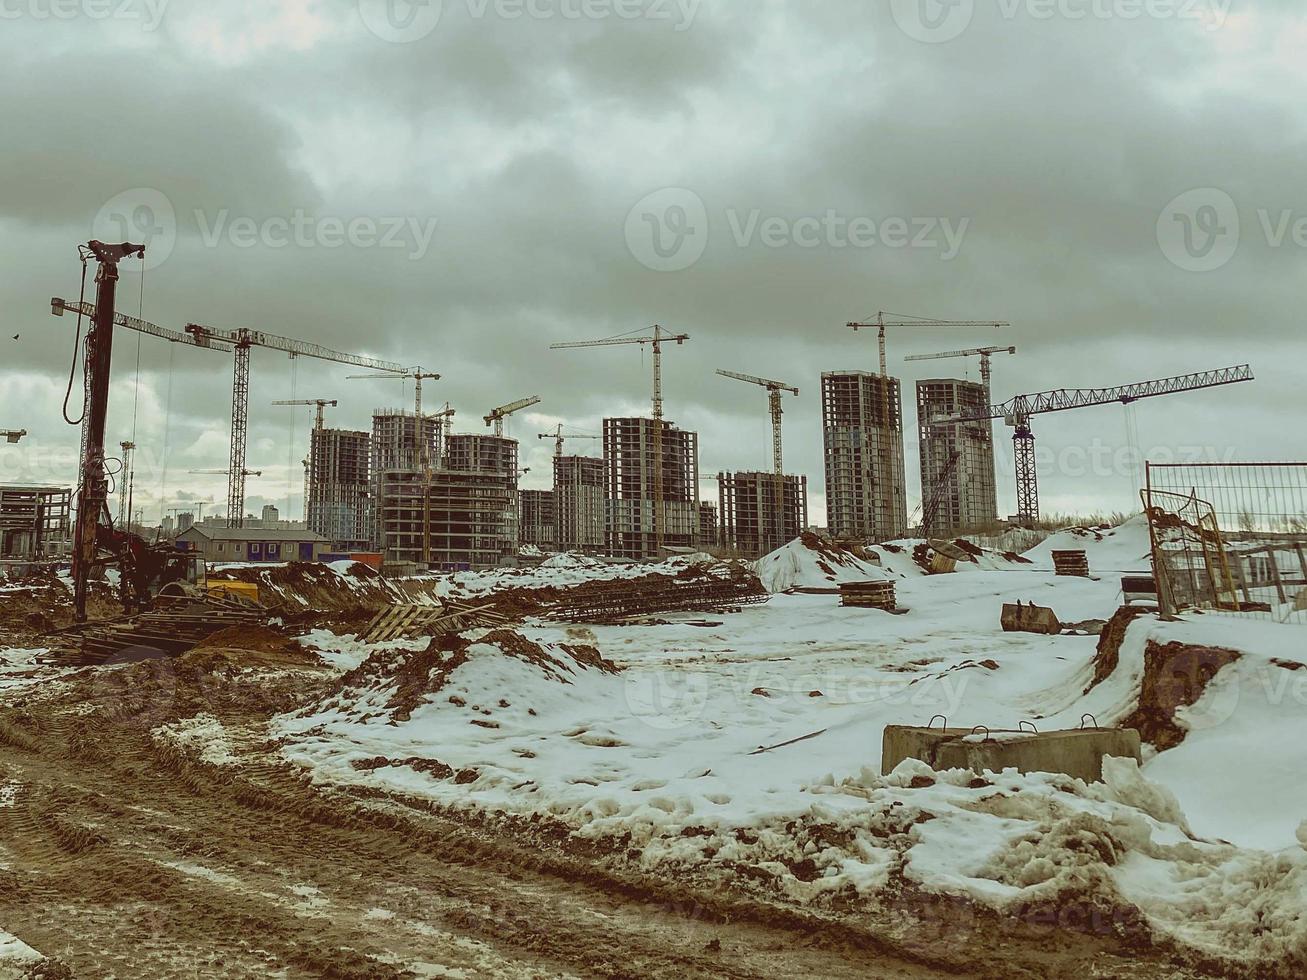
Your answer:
<point x="631" y="461"/>
<point x="579" y="503"/>
<point x="751" y="523"/>
<point x="862" y="419"/>
<point x="968" y="494"/>
<point x="338" y="491"/>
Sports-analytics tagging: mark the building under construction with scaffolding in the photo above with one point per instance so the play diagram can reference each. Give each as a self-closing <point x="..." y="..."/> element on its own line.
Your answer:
<point x="467" y="517"/>
<point x="862" y="421"/>
<point x="536" y="518"/>
<point x="579" y="503"/>
<point x="630" y="465"/>
<point x="467" y="520"/>
<point x="958" y="488"/>
<point x="338" y="487"/>
<point x="751" y="523"/>
<point x="34" y="522"/>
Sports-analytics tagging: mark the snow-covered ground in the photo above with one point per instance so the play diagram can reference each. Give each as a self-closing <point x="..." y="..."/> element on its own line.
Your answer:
<point x="754" y="741"/>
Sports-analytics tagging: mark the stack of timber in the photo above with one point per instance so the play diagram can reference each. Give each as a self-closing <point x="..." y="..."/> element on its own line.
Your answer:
<point x="1071" y="564"/>
<point x="656" y="594"/>
<point x="177" y="625"/>
<point x="402" y="620"/>
<point x="869" y="595"/>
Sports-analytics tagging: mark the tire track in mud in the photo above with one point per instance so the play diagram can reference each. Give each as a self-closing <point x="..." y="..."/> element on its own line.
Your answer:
<point x="127" y="856"/>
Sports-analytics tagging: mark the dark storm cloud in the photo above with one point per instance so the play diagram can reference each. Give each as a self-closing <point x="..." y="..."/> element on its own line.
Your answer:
<point x="1049" y="148"/>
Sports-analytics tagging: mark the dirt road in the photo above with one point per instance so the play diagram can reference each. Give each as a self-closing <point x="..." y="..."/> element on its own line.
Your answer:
<point x="123" y="855"/>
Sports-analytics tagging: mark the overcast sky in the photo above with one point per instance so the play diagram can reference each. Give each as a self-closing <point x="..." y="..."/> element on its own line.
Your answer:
<point x="460" y="185"/>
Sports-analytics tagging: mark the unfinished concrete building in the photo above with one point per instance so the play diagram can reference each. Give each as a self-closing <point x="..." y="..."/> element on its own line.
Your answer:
<point x="749" y="524"/>
<point x="536" y="518"/>
<point x="709" y="527"/>
<point x="482" y="454"/>
<point x="34" y="522"/>
<point x="397" y="439"/>
<point x="338" y="487"/>
<point x="957" y="460"/>
<point x="862" y="419"/>
<point x="629" y="463"/>
<point x="470" y="519"/>
<point x="579" y="495"/>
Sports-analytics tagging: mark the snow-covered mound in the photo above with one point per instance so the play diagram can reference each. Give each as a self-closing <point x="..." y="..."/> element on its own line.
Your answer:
<point x="910" y="557"/>
<point x="571" y="559"/>
<point x="811" y="563"/>
<point x="1124" y="548"/>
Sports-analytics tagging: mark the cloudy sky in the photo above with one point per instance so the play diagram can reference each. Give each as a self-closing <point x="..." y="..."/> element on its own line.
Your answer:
<point x="460" y="184"/>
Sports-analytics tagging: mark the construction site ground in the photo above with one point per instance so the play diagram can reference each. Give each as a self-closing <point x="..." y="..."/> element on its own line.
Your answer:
<point x="126" y="855"/>
<point x="683" y="794"/>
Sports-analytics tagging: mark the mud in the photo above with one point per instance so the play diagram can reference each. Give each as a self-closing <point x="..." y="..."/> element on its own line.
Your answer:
<point x="124" y="854"/>
<point x="1175" y="676"/>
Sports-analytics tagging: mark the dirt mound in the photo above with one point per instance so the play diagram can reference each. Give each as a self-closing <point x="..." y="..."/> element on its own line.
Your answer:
<point x="249" y="646"/>
<point x="1175" y="676"/>
<point x="1108" y="654"/>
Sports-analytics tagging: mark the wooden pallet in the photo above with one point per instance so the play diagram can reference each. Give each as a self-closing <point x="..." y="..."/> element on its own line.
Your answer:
<point x="398" y="621"/>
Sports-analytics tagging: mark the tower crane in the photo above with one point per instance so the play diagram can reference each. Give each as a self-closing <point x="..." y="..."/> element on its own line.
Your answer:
<point x="984" y="353"/>
<point x="1018" y="411"/>
<point x="559" y="438"/>
<point x="656" y="341"/>
<point x="497" y="415"/>
<point x="880" y="324"/>
<point x="12" y="435"/>
<point x="319" y="421"/>
<point x="241" y="340"/>
<point x="774" y="391"/>
<point x="416" y="373"/>
<point x="445" y="419"/>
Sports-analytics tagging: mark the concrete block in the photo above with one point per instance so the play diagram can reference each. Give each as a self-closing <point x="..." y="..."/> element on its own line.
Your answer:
<point x="1078" y="753"/>
<point x="1029" y="618"/>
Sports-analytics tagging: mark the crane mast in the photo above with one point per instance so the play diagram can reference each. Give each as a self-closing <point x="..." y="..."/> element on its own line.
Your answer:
<point x="242" y="340"/>
<point x="775" y="389"/>
<point x="656" y="341"/>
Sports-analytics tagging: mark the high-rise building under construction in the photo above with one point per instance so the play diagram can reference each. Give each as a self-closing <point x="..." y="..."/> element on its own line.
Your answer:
<point x="862" y="420"/>
<point x="579" y="503"/>
<point x="957" y="459"/>
<point x="749" y="515"/>
<point x="630" y="454"/>
<point x="338" y="487"/>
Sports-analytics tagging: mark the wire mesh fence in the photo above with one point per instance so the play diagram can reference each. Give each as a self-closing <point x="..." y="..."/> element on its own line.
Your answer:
<point x="1230" y="537"/>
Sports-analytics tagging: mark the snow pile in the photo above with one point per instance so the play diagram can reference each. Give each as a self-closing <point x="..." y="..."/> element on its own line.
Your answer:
<point x="747" y="749"/>
<point x="1124" y="548"/>
<point x="17" y="959"/>
<point x="812" y="563"/>
<point x="572" y="559"/>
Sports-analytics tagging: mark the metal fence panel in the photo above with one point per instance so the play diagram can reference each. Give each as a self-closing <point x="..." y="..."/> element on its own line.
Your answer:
<point x="1230" y="537"/>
